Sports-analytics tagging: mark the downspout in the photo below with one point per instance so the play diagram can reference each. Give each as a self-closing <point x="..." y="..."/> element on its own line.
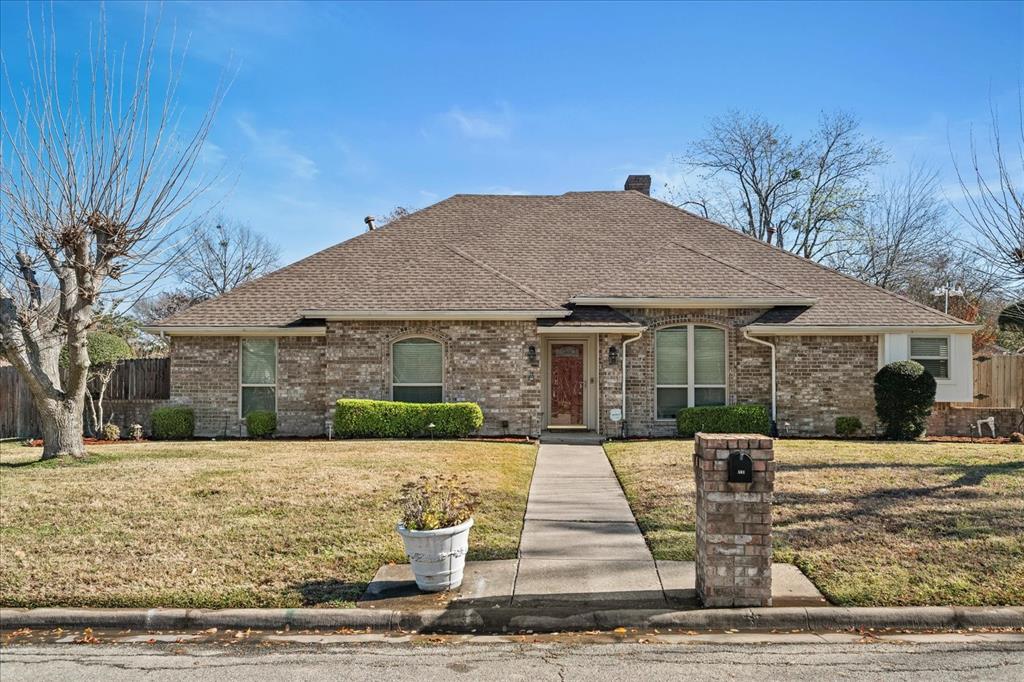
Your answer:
<point x="748" y="337"/>
<point x="626" y="342"/>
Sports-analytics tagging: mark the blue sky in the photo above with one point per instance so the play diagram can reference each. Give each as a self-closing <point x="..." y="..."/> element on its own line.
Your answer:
<point x="342" y="110"/>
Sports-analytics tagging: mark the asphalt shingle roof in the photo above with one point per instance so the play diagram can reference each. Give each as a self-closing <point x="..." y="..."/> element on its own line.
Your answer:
<point x="526" y="253"/>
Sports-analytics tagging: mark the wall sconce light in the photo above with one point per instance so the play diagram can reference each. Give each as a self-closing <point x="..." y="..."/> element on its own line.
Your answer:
<point x="613" y="354"/>
<point x="531" y="354"/>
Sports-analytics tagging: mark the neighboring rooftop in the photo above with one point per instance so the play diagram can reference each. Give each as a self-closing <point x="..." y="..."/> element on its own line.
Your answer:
<point x="493" y="253"/>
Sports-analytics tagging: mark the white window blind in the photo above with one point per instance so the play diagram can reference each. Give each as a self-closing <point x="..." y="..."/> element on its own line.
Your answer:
<point x="933" y="353"/>
<point x="416" y="371"/>
<point x="258" y="375"/>
<point x="689" y="368"/>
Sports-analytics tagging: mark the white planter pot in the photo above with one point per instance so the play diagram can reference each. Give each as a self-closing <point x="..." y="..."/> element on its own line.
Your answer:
<point x="438" y="557"/>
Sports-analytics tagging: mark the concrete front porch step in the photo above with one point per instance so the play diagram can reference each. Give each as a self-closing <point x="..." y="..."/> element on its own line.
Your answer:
<point x="570" y="437"/>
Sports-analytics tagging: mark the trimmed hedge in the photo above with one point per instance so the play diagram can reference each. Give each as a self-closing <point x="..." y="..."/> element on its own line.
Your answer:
<point x="723" y="419"/>
<point x="847" y="426"/>
<point x="904" y="395"/>
<point x="389" y="419"/>
<point x="173" y="423"/>
<point x="261" y="423"/>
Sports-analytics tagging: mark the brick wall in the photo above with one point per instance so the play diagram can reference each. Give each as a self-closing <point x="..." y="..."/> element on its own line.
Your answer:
<point x="957" y="421"/>
<point x="484" y="361"/>
<point x="204" y="375"/>
<point x="748" y="365"/>
<point x="824" y="377"/>
<point x="301" y="372"/>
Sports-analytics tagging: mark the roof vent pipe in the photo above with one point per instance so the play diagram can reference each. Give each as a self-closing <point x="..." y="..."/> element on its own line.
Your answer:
<point x="369" y="222"/>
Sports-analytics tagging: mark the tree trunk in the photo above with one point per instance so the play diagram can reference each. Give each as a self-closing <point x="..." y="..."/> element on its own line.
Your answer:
<point x="61" y="421"/>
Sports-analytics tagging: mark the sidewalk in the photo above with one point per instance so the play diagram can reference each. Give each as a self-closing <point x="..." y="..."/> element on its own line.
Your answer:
<point x="580" y="542"/>
<point x="581" y="549"/>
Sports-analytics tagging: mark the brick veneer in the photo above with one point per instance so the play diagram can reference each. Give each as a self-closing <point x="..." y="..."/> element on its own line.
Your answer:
<point x="734" y="522"/>
<point x="824" y="377"/>
<point x="204" y="375"/>
<point x="486" y="362"/>
<point x="946" y="420"/>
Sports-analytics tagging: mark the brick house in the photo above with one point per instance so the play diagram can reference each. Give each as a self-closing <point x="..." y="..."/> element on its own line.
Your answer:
<point x="602" y="311"/>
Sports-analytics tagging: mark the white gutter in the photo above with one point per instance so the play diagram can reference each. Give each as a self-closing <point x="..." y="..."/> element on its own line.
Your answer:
<point x="748" y="337"/>
<point x="624" y="343"/>
<point x="335" y="315"/>
<point x="693" y="301"/>
<point x="181" y="330"/>
<point x="590" y="329"/>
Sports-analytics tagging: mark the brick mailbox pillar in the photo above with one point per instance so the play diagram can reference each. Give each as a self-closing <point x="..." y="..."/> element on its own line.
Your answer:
<point x="735" y="474"/>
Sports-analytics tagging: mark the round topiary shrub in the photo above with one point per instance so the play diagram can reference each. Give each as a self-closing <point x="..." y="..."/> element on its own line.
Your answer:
<point x="847" y="426"/>
<point x="173" y="423"/>
<point x="904" y="395"/>
<point x="261" y="423"/>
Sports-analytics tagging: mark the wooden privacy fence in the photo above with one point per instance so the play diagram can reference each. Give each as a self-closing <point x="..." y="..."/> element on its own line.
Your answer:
<point x="999" y="381"/>
<point x="133" y="380"/>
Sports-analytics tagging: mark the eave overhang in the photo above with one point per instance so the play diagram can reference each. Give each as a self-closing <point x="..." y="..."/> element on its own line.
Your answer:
<point x="692" y="301"/>
<point x="857" y="330"/>
<point x="341" y="315"/>
<point x="181" y="330"/>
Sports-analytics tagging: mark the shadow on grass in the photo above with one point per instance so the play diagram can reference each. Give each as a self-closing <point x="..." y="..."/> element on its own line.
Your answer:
<point x="321" y="592"/>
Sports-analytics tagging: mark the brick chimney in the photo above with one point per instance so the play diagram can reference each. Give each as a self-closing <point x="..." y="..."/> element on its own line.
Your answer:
<point x="639" y="183"/>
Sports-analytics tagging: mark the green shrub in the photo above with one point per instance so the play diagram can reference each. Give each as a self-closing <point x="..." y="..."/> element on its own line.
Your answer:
<point x="261" y="423"/>
<point x="173" y="423"/>
<point x="388" y="419"/>
<point x="904" y="395"/>
<point x="723" y="419"/>
<point x="847" y="426"/>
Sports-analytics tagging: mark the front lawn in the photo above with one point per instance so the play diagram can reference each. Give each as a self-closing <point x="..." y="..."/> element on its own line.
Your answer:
<point x="872" y="524"/>
<point x="234" y="523"/>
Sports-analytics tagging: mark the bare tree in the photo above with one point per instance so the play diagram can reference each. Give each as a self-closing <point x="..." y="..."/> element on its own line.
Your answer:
<point x="96" y="178"/>
<point x="994" y="207"/>
<point x="833" y="186"/>
<point x="394" y="214"/>
<point x="897" y="233"/>
<point x="219" y="256"/>
<point x="798" y="195"/>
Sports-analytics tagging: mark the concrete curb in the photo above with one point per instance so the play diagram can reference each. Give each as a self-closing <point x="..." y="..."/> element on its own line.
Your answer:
<point x="506" y="620"/>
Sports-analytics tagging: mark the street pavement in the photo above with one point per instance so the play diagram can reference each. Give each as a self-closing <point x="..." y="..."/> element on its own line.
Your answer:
<point x="427" y="659"/>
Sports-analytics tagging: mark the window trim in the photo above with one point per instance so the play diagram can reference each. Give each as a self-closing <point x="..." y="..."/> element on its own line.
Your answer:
<point x="949" y="354"/>
<point x="691" y="386"/>
<point x="241" y="385"/>
<point x="391" y="365"/>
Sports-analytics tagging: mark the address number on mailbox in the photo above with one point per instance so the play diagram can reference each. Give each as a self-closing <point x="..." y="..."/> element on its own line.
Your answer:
<point x="741" y="468"/>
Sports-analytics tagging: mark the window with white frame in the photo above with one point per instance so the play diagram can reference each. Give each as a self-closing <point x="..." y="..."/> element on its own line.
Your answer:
<point x="689" y="368"/>
<point x="258" y="375"/>
<point x="417" y="370"/>
<point x="933" y="353"/>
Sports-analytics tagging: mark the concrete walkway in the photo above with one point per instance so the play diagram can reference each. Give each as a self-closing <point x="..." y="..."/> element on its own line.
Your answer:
<point x="580" y="548"/>
<point x="580" y="542"/>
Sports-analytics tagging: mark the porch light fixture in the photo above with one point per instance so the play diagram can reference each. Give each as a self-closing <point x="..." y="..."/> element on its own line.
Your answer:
<point x="613" y="355"/>
<point x="531" y="354"/>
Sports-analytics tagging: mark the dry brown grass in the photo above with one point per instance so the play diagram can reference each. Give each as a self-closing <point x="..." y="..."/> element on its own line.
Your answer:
<point x="235" y="523"/>
<point x="871" y="524"/>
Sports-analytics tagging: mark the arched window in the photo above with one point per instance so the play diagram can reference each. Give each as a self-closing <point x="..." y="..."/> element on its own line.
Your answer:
<point x="417" y="371"/>
<point x="689" y="368"/>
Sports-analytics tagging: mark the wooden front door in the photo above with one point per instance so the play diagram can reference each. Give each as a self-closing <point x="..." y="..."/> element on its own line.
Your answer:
<point x="566" y="384"/>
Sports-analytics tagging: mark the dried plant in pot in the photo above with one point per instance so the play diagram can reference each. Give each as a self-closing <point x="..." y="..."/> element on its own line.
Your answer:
<point x="437" y="514"/>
